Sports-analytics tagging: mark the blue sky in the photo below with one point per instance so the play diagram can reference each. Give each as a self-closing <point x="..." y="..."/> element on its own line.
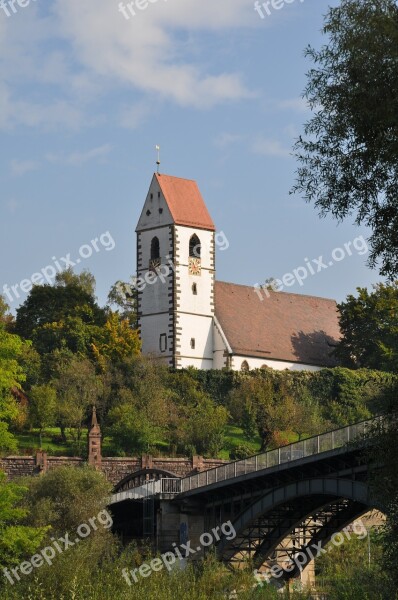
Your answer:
<point x="85" y="95"/>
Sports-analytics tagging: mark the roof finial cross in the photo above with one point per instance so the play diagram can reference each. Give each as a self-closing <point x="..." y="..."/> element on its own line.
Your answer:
<point x="158" y="160"/>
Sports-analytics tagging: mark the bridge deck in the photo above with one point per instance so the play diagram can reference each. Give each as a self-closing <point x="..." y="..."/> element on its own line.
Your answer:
<point x="326" y="444"/>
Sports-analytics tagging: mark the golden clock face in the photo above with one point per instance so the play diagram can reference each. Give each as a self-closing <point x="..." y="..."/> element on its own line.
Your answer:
<point x="194" y="266"/>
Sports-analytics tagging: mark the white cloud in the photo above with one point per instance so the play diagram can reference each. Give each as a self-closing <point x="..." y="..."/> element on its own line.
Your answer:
<point x="133" y="116"/>
<point x="79" y="52"/>
<point x="227" y="139"/>
<point x="77" y="159"/>
<point x="20" y="167"/>
<point x="270" y="147"/>
<point x="145" y="52"/>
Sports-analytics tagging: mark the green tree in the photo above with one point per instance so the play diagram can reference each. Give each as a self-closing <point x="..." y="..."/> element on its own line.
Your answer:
<point x="124" y="296"/>
<point x="5" y="317"/>
<point x="306" y="417"/>
<point x="66" y="497"/>
<point x="196" y="423"/>
<point x="133" y="430"/>
<point x="204" y="427"/>
<point x="31" y="364"/>
<point x="139" y="405"/>
<point x="17" y="541"/>
<point x="349" y="153"/>
<point x="116" y="340"/>
<point x="85" y="280"/>
<point x="74" y="332"/>
<point x="344" y="572"/>
<point x="369" y="326"/>
<point x="11" y="376"/>
<point x="256" y="405"/>
<point x="60" y="304"/>
<point x="78" y="389"/>
<point x="383" y="456"/>
<point x="42" y="407"/>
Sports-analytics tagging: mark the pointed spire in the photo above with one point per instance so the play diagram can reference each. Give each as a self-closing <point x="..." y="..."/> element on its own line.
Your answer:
<point x="95" y="428"/>
<point x="94" y="417"/>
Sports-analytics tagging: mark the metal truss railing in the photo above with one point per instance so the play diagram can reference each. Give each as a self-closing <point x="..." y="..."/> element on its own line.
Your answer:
<point x="318" y="444"/>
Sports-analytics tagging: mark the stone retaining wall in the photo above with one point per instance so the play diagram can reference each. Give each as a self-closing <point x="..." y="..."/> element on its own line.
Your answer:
<point x="114" y="469"/>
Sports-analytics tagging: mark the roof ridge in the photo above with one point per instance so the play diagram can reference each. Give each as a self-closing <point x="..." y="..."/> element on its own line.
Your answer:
<point x="174" y="177"/>
<point x="276" y="292"/>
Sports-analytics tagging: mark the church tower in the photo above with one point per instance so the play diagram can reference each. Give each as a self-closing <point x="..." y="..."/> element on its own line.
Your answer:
<point x="175" y="274"/>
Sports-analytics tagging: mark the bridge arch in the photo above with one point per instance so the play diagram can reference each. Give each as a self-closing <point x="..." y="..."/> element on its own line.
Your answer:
<point x="140" y="477"/>
<point x="262" y="527"/>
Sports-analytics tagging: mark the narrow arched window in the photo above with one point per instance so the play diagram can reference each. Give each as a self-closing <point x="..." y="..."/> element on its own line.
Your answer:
<point x="245" y="366"/>
<point x="155" y="248"/>
<point x="194" y="246"/>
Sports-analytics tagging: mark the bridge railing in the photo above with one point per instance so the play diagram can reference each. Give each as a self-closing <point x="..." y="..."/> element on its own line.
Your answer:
<point x="142" y="492"/>
<point x="170" y="485"/>
<point x="298" y="450"/>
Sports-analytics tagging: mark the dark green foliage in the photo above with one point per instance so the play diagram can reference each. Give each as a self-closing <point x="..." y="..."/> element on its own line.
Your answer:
<point x="216" y="384"/>
<point x="369" y="326"/>
<point x="240" y="452"/>
<point x="384" y="483"/>
<point x="349" y="153"/>
<point x="345" y="573"/>
<point x="344" y="396"/>
<point x="17" y="540"/>
<point x="66" y="497"/>
<point x="48" y="304"/>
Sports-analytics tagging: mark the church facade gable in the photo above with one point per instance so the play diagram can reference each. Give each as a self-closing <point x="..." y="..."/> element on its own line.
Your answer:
<point x="155" y="212"/>
<point x="186" y="318"/>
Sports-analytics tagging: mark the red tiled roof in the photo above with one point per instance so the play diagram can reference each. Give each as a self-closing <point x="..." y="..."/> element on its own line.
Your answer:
<point x="185" y="202"/>
<point x="286" y="327"/>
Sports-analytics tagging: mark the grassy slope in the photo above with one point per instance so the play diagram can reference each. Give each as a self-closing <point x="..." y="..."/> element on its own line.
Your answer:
<point x="28" y="443"/>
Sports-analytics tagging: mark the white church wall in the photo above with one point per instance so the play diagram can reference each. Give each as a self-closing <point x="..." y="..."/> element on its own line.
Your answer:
<point x="184" y="234"/>
<point x="200" y="303"/>
<point x="278" y="365"/>
<point x="152" y="327"/>
<point x="145" y="238"/>
<point x="220" y="347"/>
<point x="194" y="312"/>
<point x="199" y="329"/>
<point x="153" y="294"/>
<point x="154" y="290"/>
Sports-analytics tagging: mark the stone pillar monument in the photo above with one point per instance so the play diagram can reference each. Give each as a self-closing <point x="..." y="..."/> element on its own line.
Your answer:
<point x="94" y="442"/>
